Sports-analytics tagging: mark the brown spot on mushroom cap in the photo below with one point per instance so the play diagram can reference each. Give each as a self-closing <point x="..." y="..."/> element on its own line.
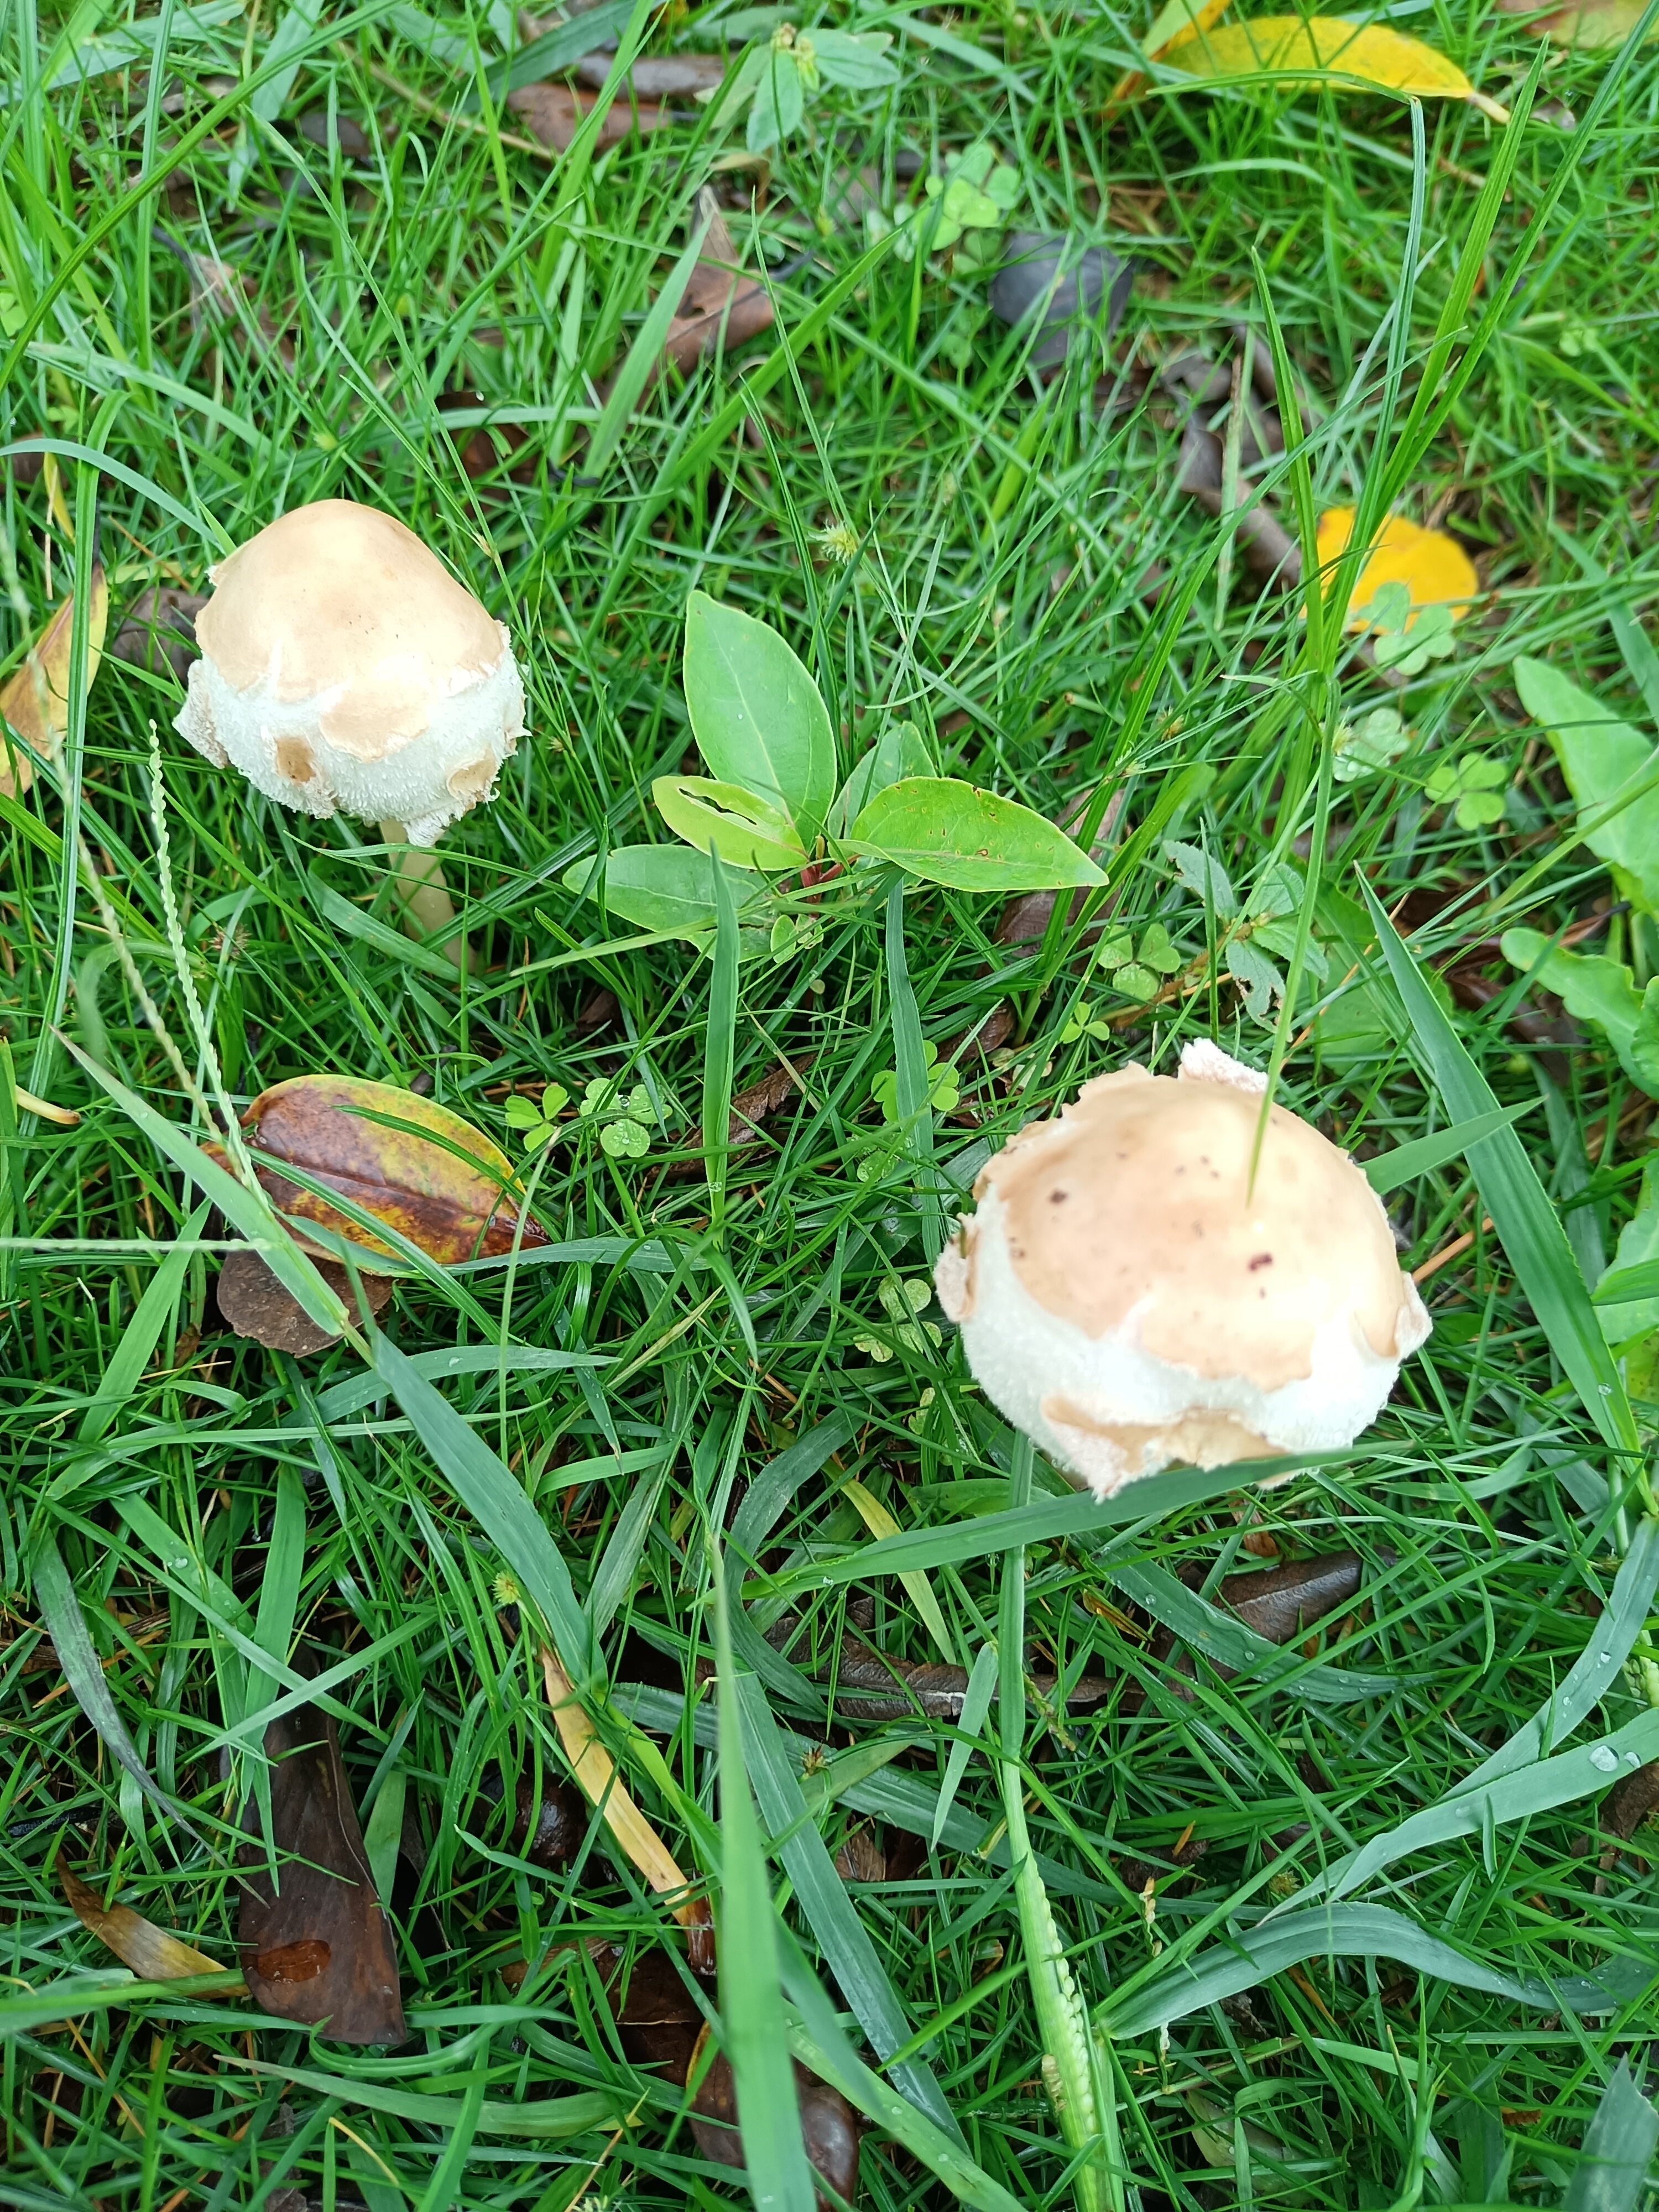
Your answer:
<point x="1188" y="1248"/>
<point x="338" y="598"/>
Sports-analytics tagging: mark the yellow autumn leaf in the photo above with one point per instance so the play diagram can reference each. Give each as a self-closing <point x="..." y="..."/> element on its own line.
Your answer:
<point x="35" y="699"/>
<point x="1434" y="569"/>
<point x="1175" y="22"/>
<point x="1324" y="50"/>
<point x="153" y="1953"/>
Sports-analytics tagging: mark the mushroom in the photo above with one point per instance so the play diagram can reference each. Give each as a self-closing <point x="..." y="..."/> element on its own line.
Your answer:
<point x="1131" y="1295"/>
<point x="342" y="666"/>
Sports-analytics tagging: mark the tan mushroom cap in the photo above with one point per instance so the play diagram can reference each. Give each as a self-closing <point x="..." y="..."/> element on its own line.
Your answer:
<point x="340" y="599"/>
<point x="1140" y="1196"/>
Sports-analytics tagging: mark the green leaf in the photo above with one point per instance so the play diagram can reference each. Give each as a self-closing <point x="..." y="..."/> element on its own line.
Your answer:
<point x="975" y="1704"/>
<point x="758" y="718"/>
<point x="900" y="751"/>
<point x="751" y="1998"/>
<point x="384" y="1833"/>
<point x="779" y="101"/>
<point x="1638" y="1255"/>
<point x="1204" y="875"/>
<point x="719" y="1044"/>
<point x="1391" y="1170"/>
<point x="643" y="356"/>
<point x="1594" y="988"/>
<point x="624" y="1140"/>
<point x="948" y="832"/>
<point x="661" y="887"/>
<point x="493" y="1494"/>
<point x="1601" y="756"/>
<point x="1527" y="1222"/>
<point x="1250" y="1956"/>
<point x="1619" y="2146"/>
<point x="745" y="829"/>
<point x="856" y="60"/>
<point x="65" y="1623"/>
<point x="554" y="50"/>
<point x="142" y="1334"/>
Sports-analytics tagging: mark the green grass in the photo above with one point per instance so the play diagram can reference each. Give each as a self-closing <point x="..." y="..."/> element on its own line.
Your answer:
<point x="998" y="599"/>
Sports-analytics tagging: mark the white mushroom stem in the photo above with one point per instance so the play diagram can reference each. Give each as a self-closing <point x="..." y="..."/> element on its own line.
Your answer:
<point x="429" y="912"/>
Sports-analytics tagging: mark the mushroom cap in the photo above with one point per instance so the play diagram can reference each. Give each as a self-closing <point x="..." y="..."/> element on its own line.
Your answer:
<point x="343" y="666"/>
<point x="1128" y="1298"/>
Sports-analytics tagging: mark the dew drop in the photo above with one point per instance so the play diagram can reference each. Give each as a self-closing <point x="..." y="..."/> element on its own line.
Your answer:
<point x="1603" y="1760"/>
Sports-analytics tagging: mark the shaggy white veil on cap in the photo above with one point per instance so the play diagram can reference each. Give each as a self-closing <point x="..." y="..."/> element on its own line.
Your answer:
<point x="342" y="666"/>
<point x="1129" y="1297"/>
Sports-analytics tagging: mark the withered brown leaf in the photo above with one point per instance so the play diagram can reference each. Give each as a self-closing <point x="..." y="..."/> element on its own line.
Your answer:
<point x="315" y="1945"/>
<point x="405" y="1160"/>
<point x="256" y="1304"/>
<point x="719" y="306"/>
<point x="553" y="113"/>
<point x="153" y="1953"/>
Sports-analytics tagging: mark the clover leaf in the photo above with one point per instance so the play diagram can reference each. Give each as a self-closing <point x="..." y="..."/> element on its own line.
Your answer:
<point x="537" y="1124"/>
<point x="1473" y="786"/>
<point x="943" y="1090"/>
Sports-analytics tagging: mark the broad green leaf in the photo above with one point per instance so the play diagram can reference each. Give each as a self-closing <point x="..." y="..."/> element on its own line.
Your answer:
<point x="900" y="751"/>
<point x="1527" y="1223"/>
<point x="660" y="887"/>
<point x="1596" y="989"/>
<point x="1625" y="1318"/>
<point x="756" y="715"/>
<point x="747" y="832"/>
<point x="948" y="832"/>
<point x="1612" y="2175"/>
<point x="779" y="101"/>
<point x="856" y="60"/>
<point x="1601" y="756"/>
<point x="1407" y="1162"/>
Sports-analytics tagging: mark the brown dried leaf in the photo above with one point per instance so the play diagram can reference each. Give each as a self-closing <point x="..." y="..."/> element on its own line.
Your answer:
<point x="828" y="2125"/>
<point x="256" y="1304"/>
<point x="719" y="306"/>
<point x="35" y="699"/>
<point x="553" y="113"/>
<point x="158" y="630"/>
<point x="1281" y="1603"/>
<point x="873" y="1685"/>
<point x="404" y="1159"/>
<point x="1635" y="1800"/>
<point x="318" y="1950"/>
<point x="152" y="1953"/>
<point x="664" y="77"/>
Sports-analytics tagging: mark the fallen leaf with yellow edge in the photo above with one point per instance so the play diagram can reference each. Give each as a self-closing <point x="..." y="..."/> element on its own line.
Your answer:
<point x="1434" y="569"/>
<point x="35" y="700"/>
<point x="402" y="1159"/>
<point x="1324" y="50"/>
<point x="1175" y="23"/>
<point x="152" y="1953"/>
<point x="1595" y="25"/>
<point x="594" y="1772"/>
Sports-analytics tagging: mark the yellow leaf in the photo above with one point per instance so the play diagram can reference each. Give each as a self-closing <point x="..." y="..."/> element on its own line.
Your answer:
<point x="35" y="700"/>
<point x="152" y="1953"/>
<point x="1434" y="569"/>
<point x="1326" y="50"/>
<point x="595" y="1774"/>
<point x="1175" y="22"/>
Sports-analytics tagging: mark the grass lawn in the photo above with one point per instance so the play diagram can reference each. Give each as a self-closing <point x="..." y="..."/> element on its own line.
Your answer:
<point x="1316" y="1977"/>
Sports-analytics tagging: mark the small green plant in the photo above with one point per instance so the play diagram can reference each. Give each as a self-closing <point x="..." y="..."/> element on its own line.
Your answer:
<point x="902" y="1302"/>
<point x="944" y="1092"/>
<point x="973" y="200"/>
<point x="1473" y="786"/>
<point x="1408" y="650"/>
<point x="1134" y="971"/>
<point x="773" y="804"/>
<point x="537" y="1124"/>
<point x="624" y="1123"/>
<point x="782" y="77"/>
<point x="1368" y="746"/>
